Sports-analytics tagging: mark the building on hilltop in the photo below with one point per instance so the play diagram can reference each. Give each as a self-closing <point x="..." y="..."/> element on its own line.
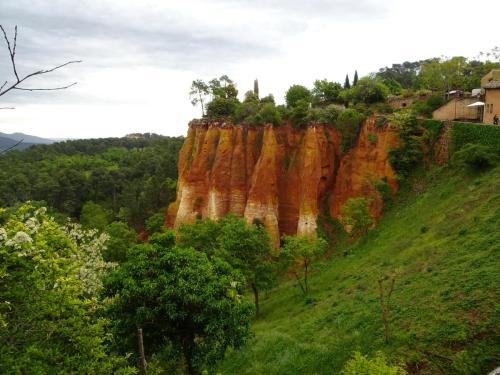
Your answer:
<point x="491" y="85"/>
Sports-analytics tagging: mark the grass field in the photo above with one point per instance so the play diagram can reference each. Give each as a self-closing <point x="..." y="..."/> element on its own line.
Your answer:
<point x="441" y="242"/>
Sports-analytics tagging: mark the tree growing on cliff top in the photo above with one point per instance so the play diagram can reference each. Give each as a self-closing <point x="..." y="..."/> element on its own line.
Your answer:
<point x="298" y="254"/>
<point x="198" y="94"/>
<point x="297" y="93"/>
<point x="347" y="84"/>
<point x="326" y="92"/>
<point x="256" y="87"/>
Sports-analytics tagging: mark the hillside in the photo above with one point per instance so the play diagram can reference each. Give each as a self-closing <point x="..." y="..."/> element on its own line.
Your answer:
<point x="441" y="240"/>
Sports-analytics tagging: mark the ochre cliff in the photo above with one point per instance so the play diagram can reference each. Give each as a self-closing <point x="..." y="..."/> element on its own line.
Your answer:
<point x="281" y="176"/>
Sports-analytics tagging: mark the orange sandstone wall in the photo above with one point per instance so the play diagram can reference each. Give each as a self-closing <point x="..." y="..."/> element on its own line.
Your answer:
<point x="281" y="176"/>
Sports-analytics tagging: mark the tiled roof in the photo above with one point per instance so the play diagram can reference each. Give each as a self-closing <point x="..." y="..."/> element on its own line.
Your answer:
<point x="494" y="84"/>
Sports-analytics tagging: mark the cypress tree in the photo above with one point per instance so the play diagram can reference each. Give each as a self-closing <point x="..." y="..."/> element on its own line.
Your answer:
<point x="355" y="80"/>
<point x="347" y="85"/>
<point x="256" y="87"/>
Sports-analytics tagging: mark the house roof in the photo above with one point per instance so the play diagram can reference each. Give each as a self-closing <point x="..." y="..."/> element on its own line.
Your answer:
<point x="493" y="84"/>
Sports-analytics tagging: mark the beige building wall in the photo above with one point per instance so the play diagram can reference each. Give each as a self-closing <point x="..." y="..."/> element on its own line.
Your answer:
<point x="491" y="105"/>
<point x="456" y="109"/>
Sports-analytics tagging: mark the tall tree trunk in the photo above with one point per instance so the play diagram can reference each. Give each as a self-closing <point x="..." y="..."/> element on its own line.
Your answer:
<point x="256" y="295"/>
<point x="143" y="364"/>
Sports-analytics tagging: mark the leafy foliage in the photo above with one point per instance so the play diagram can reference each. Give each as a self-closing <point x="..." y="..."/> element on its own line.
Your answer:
<point x="49" y="279"/>
<point x="297" y="95"/>
<point x="181" y="300"/>
<point x="245" y="247"/>
<point x="369" y="91"/>
<point x="326" y="92"/>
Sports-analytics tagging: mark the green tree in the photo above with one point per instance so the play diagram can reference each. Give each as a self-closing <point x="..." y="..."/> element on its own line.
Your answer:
<point x="269" y="114"/>
<point x="347" y="84"/>
<point x="48" y="307"/>
<point x="181" y="300"/>
<point x="356" y="217"/>
<point x="256" y="87"/>
<point x="121" y="237"/>
<point x="94" y="216"/>
<point x="248" y="249"/>
<point x="155" y="223"/>
<point x="326" y="92"/>
<point x="201" y="235"/>
<point x="355" y="80"/>
<point x="369" y="91"/>
<point x="298" y="254"/>
<point x="297" y="94"/>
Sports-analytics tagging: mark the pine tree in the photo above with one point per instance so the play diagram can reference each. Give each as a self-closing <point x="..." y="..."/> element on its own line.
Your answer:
<point x="256" y="87"/>
<point x="347" y="84"/>
<point x="355" y="80"/>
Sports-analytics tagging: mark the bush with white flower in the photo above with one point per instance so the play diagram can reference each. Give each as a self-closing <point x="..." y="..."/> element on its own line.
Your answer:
<point x="49" y="279"/>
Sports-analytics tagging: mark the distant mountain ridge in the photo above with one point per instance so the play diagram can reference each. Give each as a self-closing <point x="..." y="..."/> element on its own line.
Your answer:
<point x="27" y="138"/>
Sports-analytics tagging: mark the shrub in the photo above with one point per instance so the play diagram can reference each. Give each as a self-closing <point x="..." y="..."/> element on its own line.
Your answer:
<point x="269" y="114"/>
<point x="348" y="124"/>
<point x="369" y="91"/>
<point x="356" y="217"/>
<point x="361" y="365"/>
<point x="475" y="157"/>
<point x="221" y="107"/>
<point x="373" y="138"/>
<point x="155" y="223"/>
<point x="385" y="192"/>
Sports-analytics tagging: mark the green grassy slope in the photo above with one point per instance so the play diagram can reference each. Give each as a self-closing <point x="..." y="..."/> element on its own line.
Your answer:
<point x="445" y="315"/>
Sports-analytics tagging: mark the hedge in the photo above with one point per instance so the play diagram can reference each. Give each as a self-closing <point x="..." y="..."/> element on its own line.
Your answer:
<point x="464" y="133"/>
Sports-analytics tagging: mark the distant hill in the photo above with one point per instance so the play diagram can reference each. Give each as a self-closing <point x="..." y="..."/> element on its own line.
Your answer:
<point x="27" y="138"/>
<point x="6" y="143"/>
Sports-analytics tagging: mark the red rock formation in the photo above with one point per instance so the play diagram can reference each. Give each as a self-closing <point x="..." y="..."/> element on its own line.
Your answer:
<point x="281" y="176"/>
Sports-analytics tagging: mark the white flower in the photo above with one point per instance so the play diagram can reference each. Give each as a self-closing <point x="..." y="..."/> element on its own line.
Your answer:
<point x="234" y="284"/>
<point x="3" y="234"/>
<point x="32" y="224"/>
<point x="22" y="237"/>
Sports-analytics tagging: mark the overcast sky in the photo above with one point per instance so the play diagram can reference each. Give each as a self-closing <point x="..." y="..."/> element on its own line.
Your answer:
<point x="140" y="56"/>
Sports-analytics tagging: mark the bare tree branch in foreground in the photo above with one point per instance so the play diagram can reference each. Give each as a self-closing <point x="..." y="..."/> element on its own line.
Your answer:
<point x="6" y="86"/>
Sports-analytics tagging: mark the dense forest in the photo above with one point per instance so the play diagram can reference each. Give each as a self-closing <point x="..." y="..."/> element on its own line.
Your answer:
<point x="126" y="179"/>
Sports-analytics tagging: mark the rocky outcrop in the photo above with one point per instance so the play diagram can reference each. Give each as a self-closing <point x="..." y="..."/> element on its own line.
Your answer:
<point x="280" y="176"/>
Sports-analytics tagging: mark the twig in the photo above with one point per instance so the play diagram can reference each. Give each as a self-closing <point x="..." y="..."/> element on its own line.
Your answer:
<point x="15" y="85"/>
<point x="11" y="147"/>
